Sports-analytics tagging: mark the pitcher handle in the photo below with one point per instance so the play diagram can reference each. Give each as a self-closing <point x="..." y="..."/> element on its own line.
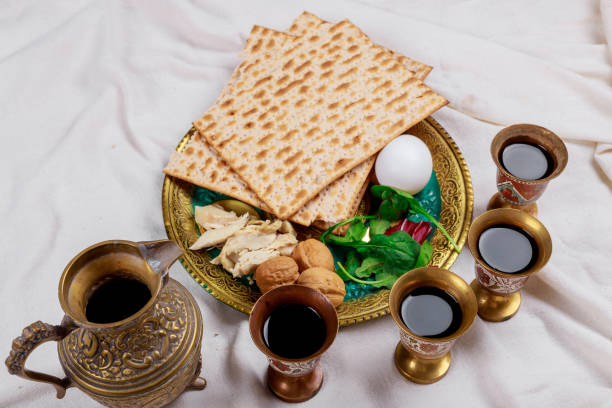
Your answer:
<point x="33" y="336"/>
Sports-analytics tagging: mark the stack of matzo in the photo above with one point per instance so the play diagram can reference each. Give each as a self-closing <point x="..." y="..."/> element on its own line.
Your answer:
<point x="296" y="129"/>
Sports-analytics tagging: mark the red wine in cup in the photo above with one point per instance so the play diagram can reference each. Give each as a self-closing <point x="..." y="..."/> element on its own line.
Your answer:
<point x="527" y="161"/>
<point x="294" y="331"/>
<point x="116" y="299"/>
<point x="507" y="248"/>
<point x="431" y="312"/>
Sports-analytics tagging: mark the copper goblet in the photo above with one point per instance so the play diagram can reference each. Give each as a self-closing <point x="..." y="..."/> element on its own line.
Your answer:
<point x="425" y="360"/>
<point x="293" y="380"/>
<point x="498" y="293"/>
<point x="519" y="193"/>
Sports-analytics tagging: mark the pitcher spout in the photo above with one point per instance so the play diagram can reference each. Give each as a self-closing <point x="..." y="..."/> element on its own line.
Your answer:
<point x="160" y="255"/>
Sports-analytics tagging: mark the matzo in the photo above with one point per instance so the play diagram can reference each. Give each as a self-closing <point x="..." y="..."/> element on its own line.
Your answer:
<point x="324" y="225"/>
<point x="200" y="164"/>
<point x="308" y="23"/>
<point x="299" y="119"/>
<point x="332" y="204"/>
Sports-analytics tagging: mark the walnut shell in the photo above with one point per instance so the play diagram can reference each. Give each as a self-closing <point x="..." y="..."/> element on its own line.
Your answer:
<point x="275" y="272"/>
<point x="326" y="282"/>
<point x="312" y="253"/>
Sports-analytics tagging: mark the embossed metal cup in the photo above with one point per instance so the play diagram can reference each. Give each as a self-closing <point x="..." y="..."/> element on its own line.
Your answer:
<point x="421" y="359"/>
<point x="515" y="192"/>
<point x="293" y="380"/>
<point x="498" y="293"/>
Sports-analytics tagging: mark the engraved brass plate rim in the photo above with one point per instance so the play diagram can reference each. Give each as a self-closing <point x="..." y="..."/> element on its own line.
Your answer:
<point x="456" y="216"/>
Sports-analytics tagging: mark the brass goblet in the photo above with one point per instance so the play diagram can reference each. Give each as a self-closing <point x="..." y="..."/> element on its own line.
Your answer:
<point x="421" y="359"/>
<point x="293" y="380"/>
<point x="515" y="192"/>
<point x="498" y="293"/>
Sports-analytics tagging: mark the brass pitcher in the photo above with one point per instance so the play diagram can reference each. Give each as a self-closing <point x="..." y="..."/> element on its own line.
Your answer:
<point x="146" y="359"/>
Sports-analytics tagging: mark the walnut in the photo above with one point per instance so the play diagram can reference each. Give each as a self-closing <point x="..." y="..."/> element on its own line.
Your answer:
<point x="311" y="253"/>
<point x="326" y="282"/>
<point x="275" y="272"/>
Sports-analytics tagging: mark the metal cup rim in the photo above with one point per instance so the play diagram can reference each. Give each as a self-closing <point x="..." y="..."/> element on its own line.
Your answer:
<point x="542" y="238"/>
<point x="255" y="328"/>
<point x="72" y="268"/>
<point x="467" y="302"/>
<point x="539" y="133"/>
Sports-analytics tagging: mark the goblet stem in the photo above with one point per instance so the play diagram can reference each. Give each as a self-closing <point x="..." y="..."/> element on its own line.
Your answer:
<point x="295" y="389"/>
<point x="493" y="307"/>
<point x="418" y="369"/>
<point x="497" y="201"/>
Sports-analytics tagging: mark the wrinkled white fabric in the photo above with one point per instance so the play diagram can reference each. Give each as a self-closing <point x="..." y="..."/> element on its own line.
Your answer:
<point x="94" y="95"/>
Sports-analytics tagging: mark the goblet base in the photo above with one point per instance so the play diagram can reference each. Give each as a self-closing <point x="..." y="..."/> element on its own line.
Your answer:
<point x="295" y="389"/>
<point x="493" y="307"/>
<point x="498" y="202"/>
<point x="420" y="370"/>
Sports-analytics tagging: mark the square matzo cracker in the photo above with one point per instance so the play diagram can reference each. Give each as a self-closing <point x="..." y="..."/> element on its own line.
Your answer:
<point x="300" y="118"/>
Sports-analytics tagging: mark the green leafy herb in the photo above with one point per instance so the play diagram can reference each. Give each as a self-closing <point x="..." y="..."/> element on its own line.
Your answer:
<point x="424" y="255"/>
<point x="379" y="226"/>
<point x="355" y="233"/>
<point x="398" y="250"/>
<point x="387" y="257"/>
<point x="392" y="206"/>
<point x="394" y="200"/>
<point x="369" y="266"/>
<point x="381" y="260"/>
<point x="386" y="281"/>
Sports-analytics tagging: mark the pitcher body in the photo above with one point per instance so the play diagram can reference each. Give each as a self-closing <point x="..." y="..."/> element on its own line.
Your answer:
<point x="147" y="358"/>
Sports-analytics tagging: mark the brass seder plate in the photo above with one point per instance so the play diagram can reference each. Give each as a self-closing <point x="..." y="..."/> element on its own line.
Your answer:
<point x="456" y="216"/>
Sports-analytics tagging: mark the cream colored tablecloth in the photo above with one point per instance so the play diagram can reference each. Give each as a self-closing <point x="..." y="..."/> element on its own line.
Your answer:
<point x="95" y="95"/>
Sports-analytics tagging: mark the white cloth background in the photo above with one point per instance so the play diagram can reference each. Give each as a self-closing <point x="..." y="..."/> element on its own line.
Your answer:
<point x="95" y="95"/>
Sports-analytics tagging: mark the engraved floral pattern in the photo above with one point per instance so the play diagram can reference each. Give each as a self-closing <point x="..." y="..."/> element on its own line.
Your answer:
<point x="517" y="191"/>
<point x="127" y="358"/>
<point x="425" y="349"/>
<point x="160" y="396"/>
<point x="130" y="352"/>
<point x="293" y="368"/>
<point x="123" y="353"/>
<point x="497" y="283"/>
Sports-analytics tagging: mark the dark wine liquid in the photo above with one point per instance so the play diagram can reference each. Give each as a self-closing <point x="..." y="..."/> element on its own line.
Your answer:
<point x="507" y="248"/>
<point x="116" y="299"/>
<point x="431" y="312"/>
<point x="527" y="161"/>
<point x="294" y="331"/>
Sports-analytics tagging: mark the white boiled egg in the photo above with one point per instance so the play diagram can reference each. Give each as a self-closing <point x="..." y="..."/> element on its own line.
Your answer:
<point x="405" y="163"/>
